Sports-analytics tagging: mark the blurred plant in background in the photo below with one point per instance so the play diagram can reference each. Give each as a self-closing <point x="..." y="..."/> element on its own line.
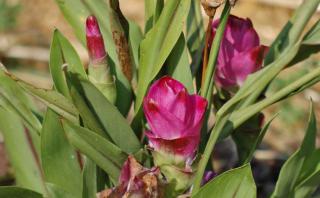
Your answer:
<point x="8" y="15"/>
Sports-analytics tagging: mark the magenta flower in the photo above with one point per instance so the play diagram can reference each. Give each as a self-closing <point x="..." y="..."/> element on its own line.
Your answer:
<point x="95" y="43"/>
<point x="240" y="53"/>
<point x="174" y="117"/>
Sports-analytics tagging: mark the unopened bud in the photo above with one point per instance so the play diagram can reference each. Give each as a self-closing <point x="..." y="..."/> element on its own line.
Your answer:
<point x="95" y="43"/>
<point x="99" y="70"/>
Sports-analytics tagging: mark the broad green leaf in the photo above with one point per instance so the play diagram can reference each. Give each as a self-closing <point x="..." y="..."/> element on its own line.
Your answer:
<point x="75" y="13"/>
<point x="293" y="168"/>
<point x="56" y="64"/>
<point x="105" y="154"/>
<point x="70" y="55"/>
<point x="89" y="179"/>
<point x="57" y="156"/>
<point x="17" y="192"/>
<point x="21" y="153"/>
<point x="236" y="183"/>
<point x="195" y="34"/>
<point x="178" y="64"/>
<point x="292" y="30"/>
<point x="111" y="119"/>
<point x="158" y="43"/>
<point x="55" y="191"/>
<point x="152" y="10"/>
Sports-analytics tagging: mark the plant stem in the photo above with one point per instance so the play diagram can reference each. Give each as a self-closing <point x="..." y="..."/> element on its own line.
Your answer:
<point x="205" y="52"/>
<point x="215" y="50"/>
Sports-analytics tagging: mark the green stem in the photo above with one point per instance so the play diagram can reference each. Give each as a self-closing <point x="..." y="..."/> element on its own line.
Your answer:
<point x="215" y="50"/>
<point x="242" y="115"/>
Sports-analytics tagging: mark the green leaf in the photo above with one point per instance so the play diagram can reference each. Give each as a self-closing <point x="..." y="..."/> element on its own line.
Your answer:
<point x="20" y="152"/>
<point x="195" y="34"/>
<point x="135" y="38"/>
<point x="292" y="30"/>
<point x="70" y="55"/>
<point x="52" y="99"/>
<point x="309" y="45"/>
<point x="56" y="64"/>
<point x="311" y="183"/>
<point x="105" y="154"/>
<point x="178" y="64"/>
<point x="57" y="192"/>
<point x="88" y="117"/>
<point x="58" y="156"/>
<point x="236" y="183"/>
<point x="111" y="119"/>
<point x="15" y="97"/>
<point x="89" y="179"/>
<point x="16" y="192"/>
<point x="293" y="171"/>
<point x="152" y="10"/>
<point x="75" y="13"/>
<point x="313" y="36"/>
<point x="158" y="43"/>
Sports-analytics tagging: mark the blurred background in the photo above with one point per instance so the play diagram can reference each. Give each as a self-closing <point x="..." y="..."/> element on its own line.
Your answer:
<point x="26" y="28"/>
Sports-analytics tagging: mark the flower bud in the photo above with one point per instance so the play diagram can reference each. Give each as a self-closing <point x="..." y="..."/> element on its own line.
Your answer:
<point x="240" y="53"/>
<point x="99" y="70"/>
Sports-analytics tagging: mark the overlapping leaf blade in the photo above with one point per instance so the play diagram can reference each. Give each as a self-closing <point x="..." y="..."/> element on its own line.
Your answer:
<point x="21" y="153"/>
<point x="236" y="183"/>
<point x="58" y="156"/>
<point x="178" y="64"/>
<point x="110" y="118"/>
<point x="293" y="177"/>
<point x="158" y="43"/>
<point x="17" y="192"/>
<point x="105" y="154"/>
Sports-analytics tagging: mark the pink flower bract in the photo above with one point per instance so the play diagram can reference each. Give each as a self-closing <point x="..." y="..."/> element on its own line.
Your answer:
<point x="174" y="117"/>
<point x="95" y="43"/>
<point x="240" y="52"/>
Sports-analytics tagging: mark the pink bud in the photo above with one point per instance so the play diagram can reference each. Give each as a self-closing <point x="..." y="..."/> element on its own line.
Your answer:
<point x="175" y="117"/>
<point x="95" y="43"/>
<point x="240" y="52"/>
